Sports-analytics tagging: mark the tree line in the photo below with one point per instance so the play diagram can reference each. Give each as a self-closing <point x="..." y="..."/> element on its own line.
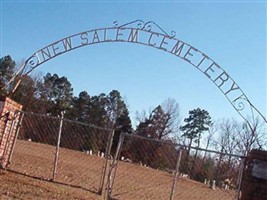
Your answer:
<point x="52" y="95"/>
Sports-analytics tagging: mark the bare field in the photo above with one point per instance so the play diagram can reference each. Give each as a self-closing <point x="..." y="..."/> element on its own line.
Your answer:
<point x="15" y="186"/>
<point x="84" y="172"/>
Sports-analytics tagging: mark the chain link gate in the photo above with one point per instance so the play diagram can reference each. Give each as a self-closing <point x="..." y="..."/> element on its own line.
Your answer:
<point x="143" y="168"/>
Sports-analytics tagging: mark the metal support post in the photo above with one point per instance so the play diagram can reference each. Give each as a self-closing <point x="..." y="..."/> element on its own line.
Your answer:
<point x="176" y="172"/>
<point x="114" y="165"/>
<point x="58" y="146"/>
<point x="107" y="155"/>
<point x="240" y="177"/>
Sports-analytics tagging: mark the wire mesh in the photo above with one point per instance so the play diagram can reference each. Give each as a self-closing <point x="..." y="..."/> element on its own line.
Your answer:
<point x="208" y="175"/>
<point x="35" y="146"/>
<point x="81" y="156"/>
<point x="145" y="169"/>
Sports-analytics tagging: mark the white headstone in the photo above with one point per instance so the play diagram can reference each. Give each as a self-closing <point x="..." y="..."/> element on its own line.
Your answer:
<point x="213" y="185"/>
<point x="208" y="183"/>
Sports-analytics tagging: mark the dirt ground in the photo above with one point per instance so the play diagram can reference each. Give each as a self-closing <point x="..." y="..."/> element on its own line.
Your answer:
<point x="15" y="186"/>
<point x="83" y="172"/>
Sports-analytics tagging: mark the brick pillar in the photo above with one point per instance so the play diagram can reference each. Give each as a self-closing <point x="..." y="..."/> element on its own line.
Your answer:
<point x="254" y="183"/>
<point x="8" y="125"/>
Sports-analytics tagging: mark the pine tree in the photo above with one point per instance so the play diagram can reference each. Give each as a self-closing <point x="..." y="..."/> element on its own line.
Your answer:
<point x="7" y="67"/>
<point x="197" y="123"/>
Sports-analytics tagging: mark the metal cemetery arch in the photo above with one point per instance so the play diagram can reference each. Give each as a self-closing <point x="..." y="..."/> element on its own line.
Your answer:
<point x="150" y="34"/>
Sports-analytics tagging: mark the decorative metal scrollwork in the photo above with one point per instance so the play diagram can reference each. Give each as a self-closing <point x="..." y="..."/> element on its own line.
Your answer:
<point x="239" y="103"/>
<point x="147" y="26"/>
<point x="172" y="45"/>
<point x="139" y="24"/>
<point x="31" y="63"/>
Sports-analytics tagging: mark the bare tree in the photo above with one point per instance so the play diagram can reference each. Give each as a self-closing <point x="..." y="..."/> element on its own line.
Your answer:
<point x="228" y="137"/>
<point x="161" y="122"/>
<point x="172" y="109"/>
<point x="211" y="132"/>
<point x="141" y="116"/>
<point x="250" y="137"/>
<point x="236" y="138"/>
<point x="226" y="144"/>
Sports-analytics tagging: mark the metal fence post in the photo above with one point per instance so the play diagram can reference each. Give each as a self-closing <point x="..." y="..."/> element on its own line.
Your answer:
<point x="176" y="172"/>
<point x="240" y="177"/>
<point x="58" y="146"/>
<point x="107" y="154"/>
<point x="114" y="164"/>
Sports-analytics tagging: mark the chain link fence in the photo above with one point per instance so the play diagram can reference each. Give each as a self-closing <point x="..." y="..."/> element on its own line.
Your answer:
<point x="154" y="169"/>
<point x="144" y="169"/>
<point x="78" y="154"/>
<point x="207" y="174"/>
<point x="62" y="150"/>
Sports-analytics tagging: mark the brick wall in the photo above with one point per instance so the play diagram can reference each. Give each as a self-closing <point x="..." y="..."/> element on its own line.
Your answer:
<point x="254" y="183"/>
<point x="8" y="125"/>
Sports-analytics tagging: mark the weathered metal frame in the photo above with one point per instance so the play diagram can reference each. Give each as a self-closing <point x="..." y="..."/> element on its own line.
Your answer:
<point x="107" y="157"/>
<point x="111" y="175"/>
<point x="113" y="168"/>
<point x="233" y="93"/>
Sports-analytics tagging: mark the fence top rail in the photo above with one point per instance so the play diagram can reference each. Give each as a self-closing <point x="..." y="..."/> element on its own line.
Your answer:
<point x="152" y="139"/>
<point x="217" y="152"/>
<point x="184" y="146"/>
<point x="64" y="119"/>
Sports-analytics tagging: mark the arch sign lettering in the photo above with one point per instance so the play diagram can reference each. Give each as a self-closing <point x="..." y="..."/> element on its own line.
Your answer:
<point x="151" y="35"/>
